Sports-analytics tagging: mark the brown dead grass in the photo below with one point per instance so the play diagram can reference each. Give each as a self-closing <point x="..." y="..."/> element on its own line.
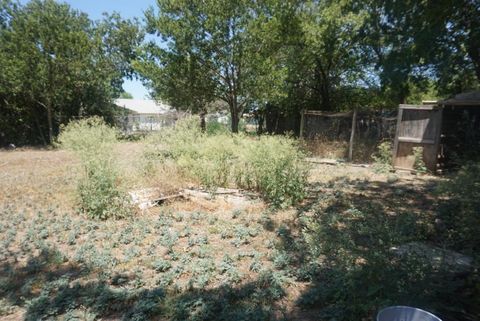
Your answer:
<point x="42" y="177"/>
<point x="338" y="149"/>
<point x="37" y="180"/>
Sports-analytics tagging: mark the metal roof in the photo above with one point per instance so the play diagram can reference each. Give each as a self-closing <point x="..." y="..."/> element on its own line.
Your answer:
<point x="463" y="99"/>
<point x="143" y="106"/>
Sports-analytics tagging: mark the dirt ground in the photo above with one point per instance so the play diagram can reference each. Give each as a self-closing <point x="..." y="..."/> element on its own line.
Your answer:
<point x="181" y="245"/>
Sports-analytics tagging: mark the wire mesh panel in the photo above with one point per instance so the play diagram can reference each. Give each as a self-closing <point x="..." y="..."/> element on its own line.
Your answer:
<point x="328" y="126"/>
<point x="338" y="126"/>
<point x="352" y="135"/>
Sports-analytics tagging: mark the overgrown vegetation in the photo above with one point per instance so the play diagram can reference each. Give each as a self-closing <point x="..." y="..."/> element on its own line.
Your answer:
<point x="92" y="140"/>
<point x="383" y="159"/>
<point x="460" y="212"/>
<point x="271" y="165"/>
<point x="335" y="256"/>
<point x="418" y="163"/>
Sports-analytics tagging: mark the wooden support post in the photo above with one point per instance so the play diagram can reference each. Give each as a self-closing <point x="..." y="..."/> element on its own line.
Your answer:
<point x="302" y="123"/>
<point x="397" y="133"/>
<point x="352" y="136"/>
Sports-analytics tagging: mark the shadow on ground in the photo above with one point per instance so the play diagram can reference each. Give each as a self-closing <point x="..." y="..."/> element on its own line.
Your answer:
<point x="50" y="288"/>
<point x="339" y="249"/>
<point x="346" y="250"/>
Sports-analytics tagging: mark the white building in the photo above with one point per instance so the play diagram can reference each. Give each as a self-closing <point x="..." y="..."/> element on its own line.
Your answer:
<point x="144" y="115"/>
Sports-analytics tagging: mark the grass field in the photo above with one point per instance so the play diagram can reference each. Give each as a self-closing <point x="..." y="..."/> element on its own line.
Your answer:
<point x="328" y="258"/>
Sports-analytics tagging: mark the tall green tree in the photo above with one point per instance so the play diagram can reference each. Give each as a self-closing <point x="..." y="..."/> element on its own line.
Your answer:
<point x="58" y="64"/>
<point x="331" y="50"/>
<point x="211" y="51"/>
<point x="416" y="45"/>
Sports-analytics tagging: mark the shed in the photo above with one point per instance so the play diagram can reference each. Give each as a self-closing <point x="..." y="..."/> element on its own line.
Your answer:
<point x="447" y="130"/>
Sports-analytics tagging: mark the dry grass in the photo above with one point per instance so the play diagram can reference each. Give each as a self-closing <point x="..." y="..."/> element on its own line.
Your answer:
<point x="37" y="211"/>
<point x="338" y="149"/>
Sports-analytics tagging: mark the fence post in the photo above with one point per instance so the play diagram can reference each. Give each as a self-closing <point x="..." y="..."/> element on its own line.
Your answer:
<point x="302" y="122"/>
<point x="352" y="136"/>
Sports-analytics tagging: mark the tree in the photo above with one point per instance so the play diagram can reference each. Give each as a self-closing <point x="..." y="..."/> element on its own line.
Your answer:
<point x="211" y="52"/>
<point x="416" y="45"/>
<point x="179" y="79"/>
<point x="58" y="64"/>
<point x="331" y="53"/>
<point x="126" y="95"/>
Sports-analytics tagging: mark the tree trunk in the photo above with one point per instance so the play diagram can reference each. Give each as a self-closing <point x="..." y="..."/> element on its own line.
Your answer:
<point x="234" y="113"/>
<point x="40" y="132"/>
<point x="50" y="124"/>
<point x="325" y="92"/>
<point x="235" y="121"/>
<point x="260" y="120"/>
<point x="203" y="123"/>
<point x="474" y="53"/>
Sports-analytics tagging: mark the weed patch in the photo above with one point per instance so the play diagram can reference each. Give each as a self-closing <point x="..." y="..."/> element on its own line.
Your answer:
<point x="92" y="140"/>
<point x="270" y="165"/>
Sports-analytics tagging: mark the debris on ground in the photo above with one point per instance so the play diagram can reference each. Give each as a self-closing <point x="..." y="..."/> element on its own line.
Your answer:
<point x="150" y="197"/>
<point x="328" y="161"/>
<point x="436" y="256"/>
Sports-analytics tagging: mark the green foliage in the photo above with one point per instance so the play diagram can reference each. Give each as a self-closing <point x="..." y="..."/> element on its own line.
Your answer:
<point x="383" y="158"/>
<point x="161" y="265"/>
<point x="271" y="165"/>
<point x="58" y="64"/>
<point x="218" y="51"/>
<point x="459" y="213"/>
<point x="214" y="127"/>
<point x="419" y="164"/>
<point x="360" y="271"/>
<point x="93" y="141"/>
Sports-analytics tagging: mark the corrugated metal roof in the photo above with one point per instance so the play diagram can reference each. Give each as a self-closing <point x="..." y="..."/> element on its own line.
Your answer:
<point x="143" y="106"/>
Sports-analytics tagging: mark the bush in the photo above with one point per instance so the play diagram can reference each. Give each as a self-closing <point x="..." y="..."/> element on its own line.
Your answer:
<point x="383" y="158"/>
<point x="272" y="165"/>
<point x="419" y="164"/>
<point x="92" y="140"/>
<point x="460" y="211"/>
<point x="214" y="127"/>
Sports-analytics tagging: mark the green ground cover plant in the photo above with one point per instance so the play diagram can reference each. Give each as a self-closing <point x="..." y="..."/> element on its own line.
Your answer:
<point x="331" y="257"/>
<point x="459" y="212"/>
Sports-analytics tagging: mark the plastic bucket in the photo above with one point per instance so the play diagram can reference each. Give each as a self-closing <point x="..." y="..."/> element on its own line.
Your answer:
<point x="402" y="313"/>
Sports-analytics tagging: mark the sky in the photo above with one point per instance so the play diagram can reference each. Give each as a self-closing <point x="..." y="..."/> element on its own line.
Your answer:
<point x="127" y="9"/>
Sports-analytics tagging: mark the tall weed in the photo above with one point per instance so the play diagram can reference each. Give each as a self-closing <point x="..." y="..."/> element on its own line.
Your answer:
<point x="93" y="141"/>
<point x="271" y="165"/>
<point x="383" y="159"/>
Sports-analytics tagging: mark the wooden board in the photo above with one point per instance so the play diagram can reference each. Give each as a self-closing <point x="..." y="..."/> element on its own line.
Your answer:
<point x="417" y="126"/>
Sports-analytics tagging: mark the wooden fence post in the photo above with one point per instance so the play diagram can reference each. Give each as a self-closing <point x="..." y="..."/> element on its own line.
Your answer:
<point x="302" y="123"/>
<point x="352" y="136"/>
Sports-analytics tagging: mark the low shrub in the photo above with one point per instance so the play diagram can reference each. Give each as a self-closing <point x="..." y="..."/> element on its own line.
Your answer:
<point x="459" y="211"/>
<point x="383" y="160"/>
<point x="419" y="164"/>
<point x="92" y="140"/>
<point x="272" y="165"/>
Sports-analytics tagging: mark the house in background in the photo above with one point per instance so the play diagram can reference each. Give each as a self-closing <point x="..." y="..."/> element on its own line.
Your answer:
<point x="144" y="115"/>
